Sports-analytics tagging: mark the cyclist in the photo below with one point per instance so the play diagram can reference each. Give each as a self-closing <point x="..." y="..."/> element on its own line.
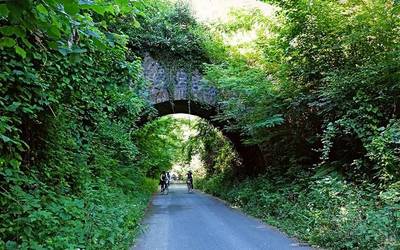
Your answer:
<point x="163" y="181"/>
<point x="189" y="181"/>
<point x="168" y="178"/>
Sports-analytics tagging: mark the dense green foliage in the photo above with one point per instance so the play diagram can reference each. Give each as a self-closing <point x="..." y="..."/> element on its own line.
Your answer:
<point x="73" y="161"/>
<point x="324" y="210"/>
<point x="161" y="143"/>
<point x="316" y="86"/>
<point x="70" y="176"/>
<point x="216" y="152"/>
<point x="170" y="33"/>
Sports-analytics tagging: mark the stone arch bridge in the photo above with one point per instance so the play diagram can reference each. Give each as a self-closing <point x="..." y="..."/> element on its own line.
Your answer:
<point x="179" y="91"/>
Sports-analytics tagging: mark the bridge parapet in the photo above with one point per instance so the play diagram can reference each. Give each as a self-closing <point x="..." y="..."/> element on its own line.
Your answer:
<point x="168" y="84"/>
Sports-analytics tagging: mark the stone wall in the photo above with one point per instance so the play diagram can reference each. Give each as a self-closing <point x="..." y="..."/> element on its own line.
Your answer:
<point x="169" y="84"/>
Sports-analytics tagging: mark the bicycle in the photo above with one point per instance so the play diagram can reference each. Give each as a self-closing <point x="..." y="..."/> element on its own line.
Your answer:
<point x="164" y="188"/>
<point x="189" y="186"/>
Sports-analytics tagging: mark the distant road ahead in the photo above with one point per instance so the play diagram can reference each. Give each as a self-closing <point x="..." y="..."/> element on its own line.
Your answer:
<point x="194" y="221"/>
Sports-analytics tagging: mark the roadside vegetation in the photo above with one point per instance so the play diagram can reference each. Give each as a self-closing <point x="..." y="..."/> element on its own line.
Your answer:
<point x="75" y="169"/>
<point x="317" y="88"/>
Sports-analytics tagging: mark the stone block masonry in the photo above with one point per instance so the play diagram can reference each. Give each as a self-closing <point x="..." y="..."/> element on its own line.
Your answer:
<point x="168" y="84"/>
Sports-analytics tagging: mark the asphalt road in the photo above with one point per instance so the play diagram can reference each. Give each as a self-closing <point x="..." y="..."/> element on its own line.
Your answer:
<point x="192" y="221"/>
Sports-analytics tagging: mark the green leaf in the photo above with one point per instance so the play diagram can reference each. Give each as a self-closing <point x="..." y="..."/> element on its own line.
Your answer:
<point x="99" y="9"/>
<point x="64" y="50"/>
<point x="11" y="245"/>
<point x="4" y="10"/>
<point x="124" y="5"/>
<point x="54" y="31"/>
<point x="52" y="45"/>
<point x="136" y="24"/>
<point x="78" y="50"/>
<point x="74" y="58"/>
<point x="5" y="138"/>
<point x="42" y="10"/>
<point x="26" y="42"/>
<point x="15" y="163"/>
<point x="7" y="42"/>
<point x="11" y="30"/>
<point x="13" y="107"/>
<point x="93" y="33"/>
<point x="122" y="2"/>
<point x="71" y="7"/>
<point x="20" y="51"/>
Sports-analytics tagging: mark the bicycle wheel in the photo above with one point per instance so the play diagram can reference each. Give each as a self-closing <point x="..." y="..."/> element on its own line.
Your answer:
<point x="162" y="189"/>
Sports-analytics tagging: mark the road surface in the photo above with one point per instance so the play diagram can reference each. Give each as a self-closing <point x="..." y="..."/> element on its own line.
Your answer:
<point x="194" y="221"/>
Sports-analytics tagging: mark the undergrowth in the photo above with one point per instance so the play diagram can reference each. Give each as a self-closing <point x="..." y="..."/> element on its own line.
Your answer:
<point x="327" y="212"/>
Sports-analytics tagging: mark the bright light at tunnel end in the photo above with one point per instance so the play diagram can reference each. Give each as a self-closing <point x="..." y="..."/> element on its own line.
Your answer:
<point x="209" y="11"/>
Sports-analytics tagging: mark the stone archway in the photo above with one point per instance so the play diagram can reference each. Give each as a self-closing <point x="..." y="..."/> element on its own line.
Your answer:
<point x="178" y="91"/>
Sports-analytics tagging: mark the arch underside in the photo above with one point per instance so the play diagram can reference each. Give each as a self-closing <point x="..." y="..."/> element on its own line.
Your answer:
<point x="171" y="89"/>
<point x="252" y="161"/>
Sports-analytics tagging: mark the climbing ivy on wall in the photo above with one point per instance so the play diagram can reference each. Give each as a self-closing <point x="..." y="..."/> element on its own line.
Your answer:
<point x="170" y="33"/>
